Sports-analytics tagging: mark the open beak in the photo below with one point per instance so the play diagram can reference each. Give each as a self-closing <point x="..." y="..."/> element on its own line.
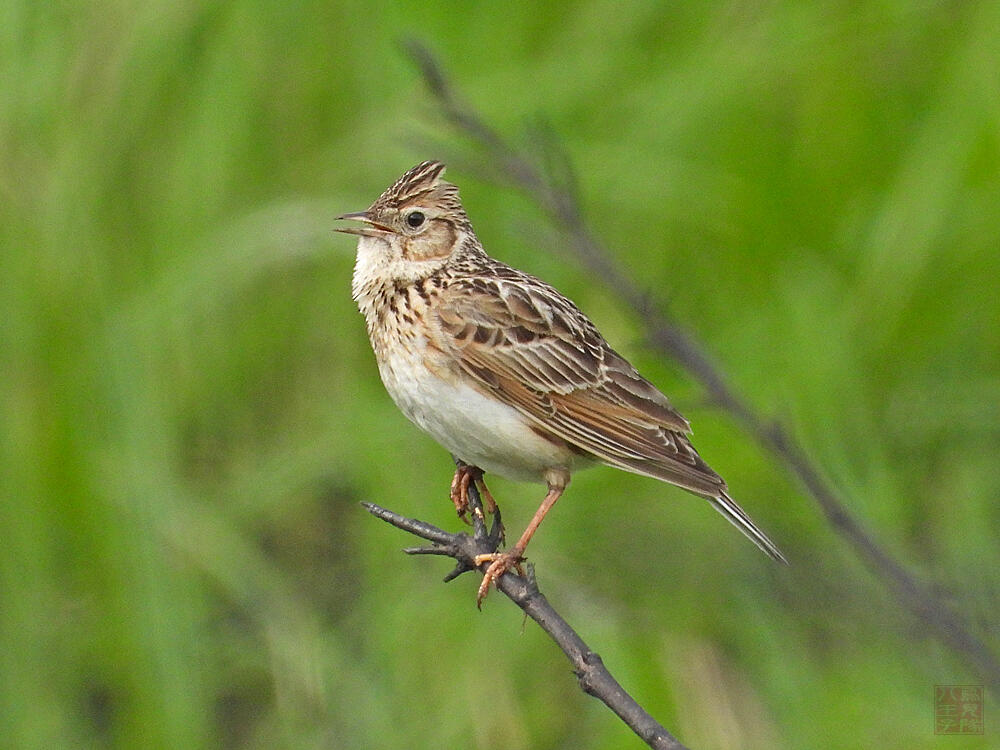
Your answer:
<point x="373" y="228"/>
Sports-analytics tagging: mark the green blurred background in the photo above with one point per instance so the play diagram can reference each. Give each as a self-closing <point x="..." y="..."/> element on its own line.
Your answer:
<point x="191" y="411"/>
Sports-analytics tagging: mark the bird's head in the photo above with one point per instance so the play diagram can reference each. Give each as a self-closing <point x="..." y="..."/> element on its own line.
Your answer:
<point x="413" y="229"/>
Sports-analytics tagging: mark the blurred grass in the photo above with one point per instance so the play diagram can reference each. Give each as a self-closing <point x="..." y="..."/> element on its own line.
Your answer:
<point x="190" y="410"/>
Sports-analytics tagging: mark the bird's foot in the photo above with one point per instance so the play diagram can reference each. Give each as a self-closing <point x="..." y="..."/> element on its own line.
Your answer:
<point x="464" y="476"/>
<point x="460" y="490"/>
<point x="500" y="563"/>
<point x="485" y="494"/>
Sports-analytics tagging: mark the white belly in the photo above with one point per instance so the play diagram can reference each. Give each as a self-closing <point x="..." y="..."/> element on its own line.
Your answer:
<point x="481" y="431"/>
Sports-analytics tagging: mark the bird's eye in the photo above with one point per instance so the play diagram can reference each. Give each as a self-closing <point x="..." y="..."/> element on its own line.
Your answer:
<point x="415" y="219"/>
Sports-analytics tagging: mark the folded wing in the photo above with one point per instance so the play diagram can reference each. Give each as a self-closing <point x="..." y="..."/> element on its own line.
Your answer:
<point x="533" y="349"/>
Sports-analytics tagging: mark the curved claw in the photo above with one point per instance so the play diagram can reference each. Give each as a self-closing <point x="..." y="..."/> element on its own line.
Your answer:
<point x="500" y="563"/>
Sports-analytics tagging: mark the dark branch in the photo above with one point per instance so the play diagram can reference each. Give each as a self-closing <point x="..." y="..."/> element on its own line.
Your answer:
<point x="593" y="676"/>
<point x="555" y="193"/>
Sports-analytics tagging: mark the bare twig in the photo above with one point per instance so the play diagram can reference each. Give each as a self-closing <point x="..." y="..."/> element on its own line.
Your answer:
<point x="593" y="676"/>
<point x="556" y="195"/>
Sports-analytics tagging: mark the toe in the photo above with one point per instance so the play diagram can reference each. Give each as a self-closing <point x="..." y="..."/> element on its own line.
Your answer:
<point x="499" y="563"/>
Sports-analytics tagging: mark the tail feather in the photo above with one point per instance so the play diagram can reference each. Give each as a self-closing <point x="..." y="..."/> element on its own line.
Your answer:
<point x="738" y="518"/>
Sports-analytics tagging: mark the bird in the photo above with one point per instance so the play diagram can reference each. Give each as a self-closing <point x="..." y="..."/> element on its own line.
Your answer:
<point x="504" y="371"/>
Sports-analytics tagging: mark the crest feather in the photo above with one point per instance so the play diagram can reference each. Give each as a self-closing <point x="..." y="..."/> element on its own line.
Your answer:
<point x="416" y="181"/>
<point x="423" y="182"/>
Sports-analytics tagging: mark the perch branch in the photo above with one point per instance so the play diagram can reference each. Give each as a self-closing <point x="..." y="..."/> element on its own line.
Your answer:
<point x="594" y="678"/>
<point x="549" y="182"/>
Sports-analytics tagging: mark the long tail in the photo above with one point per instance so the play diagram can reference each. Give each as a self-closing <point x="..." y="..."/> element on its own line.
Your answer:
<point x="738" y="518"/>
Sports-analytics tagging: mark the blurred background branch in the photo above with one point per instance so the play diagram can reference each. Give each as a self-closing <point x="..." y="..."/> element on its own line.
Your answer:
<point x="551" y="182"/>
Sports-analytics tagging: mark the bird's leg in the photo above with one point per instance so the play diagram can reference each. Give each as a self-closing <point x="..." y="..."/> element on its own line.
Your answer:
<point x="493" y="509"/>
<point x="501" y="562"/>
<point x="485" y="494"/>
<point x="464" y="475"/>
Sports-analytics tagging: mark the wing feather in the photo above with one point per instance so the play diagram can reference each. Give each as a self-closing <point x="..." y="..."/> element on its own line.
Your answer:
<point x="531" y="347"/>
<point x="520" y="340"/>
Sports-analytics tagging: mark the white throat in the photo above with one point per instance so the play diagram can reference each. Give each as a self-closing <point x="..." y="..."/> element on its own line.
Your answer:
<point x="379" y="268"/>
<point x="370" y="273"/>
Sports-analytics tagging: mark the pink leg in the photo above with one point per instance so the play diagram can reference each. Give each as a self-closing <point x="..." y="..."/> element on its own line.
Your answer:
<point x="501" y="562"/>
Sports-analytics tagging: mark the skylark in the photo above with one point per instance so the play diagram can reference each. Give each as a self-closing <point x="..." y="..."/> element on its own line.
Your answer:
<point x="504" y="371"/>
